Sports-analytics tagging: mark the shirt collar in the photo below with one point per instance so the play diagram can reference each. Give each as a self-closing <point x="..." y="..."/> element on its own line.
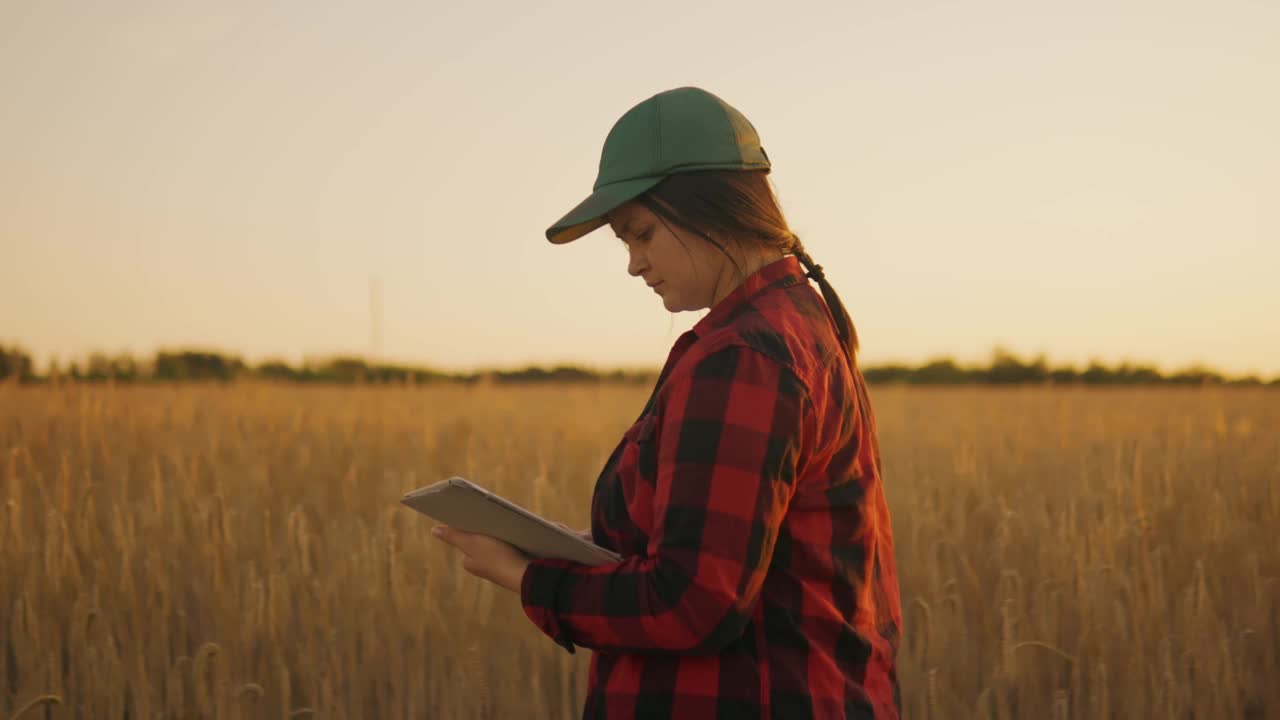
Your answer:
<point x="783" y="272"/>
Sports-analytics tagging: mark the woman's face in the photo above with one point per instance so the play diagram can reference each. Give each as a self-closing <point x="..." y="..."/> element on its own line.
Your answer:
<point x="687" y="272"/>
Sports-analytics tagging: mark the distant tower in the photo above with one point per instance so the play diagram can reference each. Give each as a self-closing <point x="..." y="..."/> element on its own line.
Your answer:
<point x="375" y="319"/>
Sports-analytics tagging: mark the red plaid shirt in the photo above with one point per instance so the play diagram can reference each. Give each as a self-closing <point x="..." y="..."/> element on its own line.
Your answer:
<point x="758" y="578"/>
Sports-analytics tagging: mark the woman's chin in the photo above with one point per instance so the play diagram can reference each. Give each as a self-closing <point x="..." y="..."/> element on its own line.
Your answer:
<point x="675" y="306"/>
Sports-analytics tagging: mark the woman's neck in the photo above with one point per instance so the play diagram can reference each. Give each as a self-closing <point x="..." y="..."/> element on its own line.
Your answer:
<point x="750" y="264"/>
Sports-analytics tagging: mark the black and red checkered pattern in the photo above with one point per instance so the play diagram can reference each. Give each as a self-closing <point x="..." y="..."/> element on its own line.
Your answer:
<point x="758" y="578"/>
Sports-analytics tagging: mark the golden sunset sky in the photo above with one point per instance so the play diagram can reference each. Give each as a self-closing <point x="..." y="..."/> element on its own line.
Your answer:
<point x="1084" y="179"/>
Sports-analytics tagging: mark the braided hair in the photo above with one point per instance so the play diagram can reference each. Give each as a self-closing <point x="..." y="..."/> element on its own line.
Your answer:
<point x="844" y="323"/>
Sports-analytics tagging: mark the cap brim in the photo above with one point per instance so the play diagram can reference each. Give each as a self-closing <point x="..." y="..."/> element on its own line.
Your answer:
<point x="589" y="214"/>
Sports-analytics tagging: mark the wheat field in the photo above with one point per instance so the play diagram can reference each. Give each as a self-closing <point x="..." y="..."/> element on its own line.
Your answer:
<point x="239" y="551"/>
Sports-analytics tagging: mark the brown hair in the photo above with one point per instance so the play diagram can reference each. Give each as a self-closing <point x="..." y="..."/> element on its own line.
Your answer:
<point x="741" y="204"/>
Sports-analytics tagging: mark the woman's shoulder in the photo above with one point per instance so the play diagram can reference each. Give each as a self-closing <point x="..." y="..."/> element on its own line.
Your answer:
<point x="751" y="352"/>
<point x="789" y="327"/>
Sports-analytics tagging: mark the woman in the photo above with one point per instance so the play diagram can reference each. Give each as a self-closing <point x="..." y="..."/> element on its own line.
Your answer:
<point x="758" y="578"/>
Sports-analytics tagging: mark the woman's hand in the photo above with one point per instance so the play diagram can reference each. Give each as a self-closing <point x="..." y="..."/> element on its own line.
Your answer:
<point x="486" y="557"/>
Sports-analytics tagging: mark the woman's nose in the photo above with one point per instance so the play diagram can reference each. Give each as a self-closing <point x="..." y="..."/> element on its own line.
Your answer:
<point x="635" y="262"/>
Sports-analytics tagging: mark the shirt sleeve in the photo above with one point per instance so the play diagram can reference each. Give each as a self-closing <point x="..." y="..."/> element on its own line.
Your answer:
<point x="728" y="439"/>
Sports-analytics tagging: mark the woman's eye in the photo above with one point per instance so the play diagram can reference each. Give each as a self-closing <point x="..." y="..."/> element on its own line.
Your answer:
<point x="638" y="239"/>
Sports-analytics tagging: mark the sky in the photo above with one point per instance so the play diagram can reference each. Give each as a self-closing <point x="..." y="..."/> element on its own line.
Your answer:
<point x="1090" y="180"/>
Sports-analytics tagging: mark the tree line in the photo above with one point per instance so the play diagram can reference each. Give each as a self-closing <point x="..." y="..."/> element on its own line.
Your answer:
<point x="1004" y="368"/>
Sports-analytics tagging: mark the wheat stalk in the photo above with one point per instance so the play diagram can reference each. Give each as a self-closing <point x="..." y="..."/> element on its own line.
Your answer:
<point x="40" y="701"/>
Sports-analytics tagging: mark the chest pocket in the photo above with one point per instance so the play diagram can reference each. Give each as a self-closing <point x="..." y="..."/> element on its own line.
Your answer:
<point x="637" y="474"/>
<point x="640" y="456"/>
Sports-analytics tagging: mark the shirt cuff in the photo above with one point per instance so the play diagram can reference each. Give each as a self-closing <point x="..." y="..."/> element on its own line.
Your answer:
<point x="538" y="589"/>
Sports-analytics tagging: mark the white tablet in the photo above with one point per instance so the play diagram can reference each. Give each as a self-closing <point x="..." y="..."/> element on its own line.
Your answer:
<point x="459" y="503"/>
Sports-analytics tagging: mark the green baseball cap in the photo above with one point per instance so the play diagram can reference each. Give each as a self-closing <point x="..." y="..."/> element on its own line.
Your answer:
<point x="675" y="131"/>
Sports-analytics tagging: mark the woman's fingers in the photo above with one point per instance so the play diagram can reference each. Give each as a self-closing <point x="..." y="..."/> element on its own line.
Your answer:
<point x="447" y="535"/>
